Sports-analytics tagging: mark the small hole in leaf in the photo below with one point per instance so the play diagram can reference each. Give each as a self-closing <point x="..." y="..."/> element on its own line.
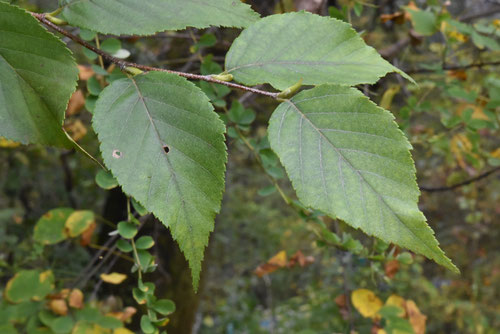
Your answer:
<point x="117" y="154"/>
<point x="166" y="149"/>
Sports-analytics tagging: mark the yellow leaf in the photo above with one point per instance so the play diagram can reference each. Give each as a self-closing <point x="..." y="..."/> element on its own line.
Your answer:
<point x="388" y="96"/>
<point x="274" y="263"/>
<point x="279" y="259"/>
<point x="113" y="278"/>
<point x="417" y="319"/>
<point x="122" y="331"/>
<point x="395" y="300"/>
<point x="496" y="153"/>
<point x="6" y="143"/>
<point x="366" y="302"/>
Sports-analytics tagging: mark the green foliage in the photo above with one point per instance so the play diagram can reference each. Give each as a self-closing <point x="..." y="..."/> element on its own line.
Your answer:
<point x="176" y="168"/>
<point x="131" y="17"/>
<point x="29" y="285"/>
<point x="347" y="157"/>
<point x="37" y="77"/>
<point x="50" y="228"/>
<point x="283" y="49"/>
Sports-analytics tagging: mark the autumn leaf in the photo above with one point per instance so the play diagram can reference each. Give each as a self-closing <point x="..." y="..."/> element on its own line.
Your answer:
<point x="86" y="236"/>
<point x="58" y="306"/>
<point x="300" y="259"/>
<point x="76" y="103"/>
<point x="113" y="278"/>
<point x="125" y="315"/>
<point x="366" y="302"/>
<point x="417" y="319"/>
<point x="274" y="263"/>
<point x="397" y="17"/>
<point x="76" y="299"/>
<point x="85" y="72"/>
<point x="391" y="268"/>
<point x="6" y="143"/>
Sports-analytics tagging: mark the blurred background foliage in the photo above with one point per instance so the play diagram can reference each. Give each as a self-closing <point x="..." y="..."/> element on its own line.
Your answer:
<point x="273" y="267"/>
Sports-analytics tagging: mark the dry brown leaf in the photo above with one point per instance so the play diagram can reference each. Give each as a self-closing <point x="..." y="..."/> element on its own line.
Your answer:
<point x="458" y="74"/>
<point x="299" y="258"/>
<point x="417" y="319"/>
<point x="274" y="263"/>
<point x="341" y="300"/>
<point x="75" y="299"/>
<point x="391" y="268"/>
<point x="58" y="306"/>
<point x="86" y="236"/>
<point x="125" y="315"/>
<point x="397" y="17"/>
<point x="85" y="72"/>
<point x="76" y="103"/>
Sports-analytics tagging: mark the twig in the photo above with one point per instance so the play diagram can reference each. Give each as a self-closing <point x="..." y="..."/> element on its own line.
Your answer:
<point x="124" y="64"/>
<point x="461" y="184"/>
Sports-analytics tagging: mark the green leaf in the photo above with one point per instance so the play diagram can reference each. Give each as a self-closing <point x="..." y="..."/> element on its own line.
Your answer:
<point x="124" y="246"/>
<point x="127" y="230"/>
<point x="144" y="242"/>
<point x="37" y="77"/>
<point x="164" y="306"/>
<point x="51" y="227"/>
<point x="146" y="326"/>
<point x="29" y="285"/>
<point x="142" y="211"/>
<point x="105" y="180"/>
<point x="238" y="114"/>
<point x="62" y="325"/>
<point x="134" y="17"/>
<point x="346" y="157"/>
<point x="111" y="45"/>
<point x="424" y="22"/>
<point x="165" y="146"/>
<point x="282" y="49"/>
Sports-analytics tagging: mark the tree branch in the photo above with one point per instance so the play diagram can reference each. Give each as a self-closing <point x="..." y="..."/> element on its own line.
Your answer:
<point x="124" y="64"/>
<point x="461" y="184"/>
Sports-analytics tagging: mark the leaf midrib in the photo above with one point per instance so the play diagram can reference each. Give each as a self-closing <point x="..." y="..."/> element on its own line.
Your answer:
<point x="170" y="167"/>
<point x="301" y="62"/>
<point x="303" y="115"/>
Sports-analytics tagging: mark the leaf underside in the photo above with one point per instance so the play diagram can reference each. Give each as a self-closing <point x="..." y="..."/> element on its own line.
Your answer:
<point x="282" y="49"/>
<point x="135" y="17"/>
<point x="37" y="77"/>
<point x="346" y="157"/>
<point x="165" y="145"/>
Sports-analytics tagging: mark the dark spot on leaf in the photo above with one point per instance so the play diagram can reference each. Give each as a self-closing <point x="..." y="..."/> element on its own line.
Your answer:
<point x="166" y="149"/>
<point x="117" y="154"/>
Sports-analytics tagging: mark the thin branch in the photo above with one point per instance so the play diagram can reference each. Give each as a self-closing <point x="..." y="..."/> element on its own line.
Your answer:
<point x="124" y="64"/>
<point x="461" y="184"/>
